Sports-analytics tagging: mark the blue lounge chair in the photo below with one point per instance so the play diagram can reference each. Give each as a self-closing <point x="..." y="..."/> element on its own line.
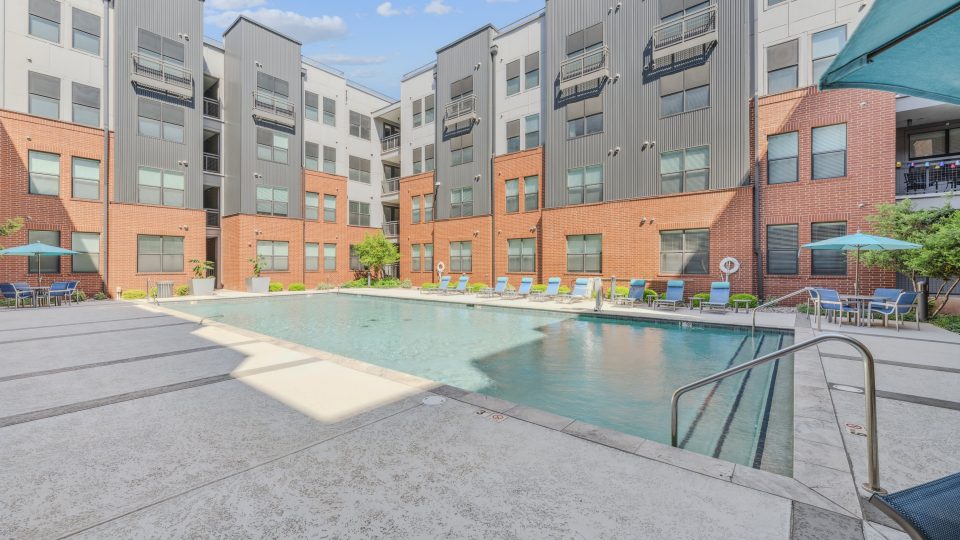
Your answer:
<point x="497" y="290"/>
<point x="441" y="287"/>
<point x="461" y="286"/>
<point x="10" y="292"/>
<point x="904" y="303"/>
<point x="889" y="295"/>
<point x="553" y="289"/>
<point x="525" y="285"/>
<point x="674" y="296"/>
<point x="929" y="511"/>
<point x="634" y="293"/>
<point x="578" y="293"/>
<point x="719" y="297"/>
<point x="62" y="290"/>
<point x="831" y="303"/>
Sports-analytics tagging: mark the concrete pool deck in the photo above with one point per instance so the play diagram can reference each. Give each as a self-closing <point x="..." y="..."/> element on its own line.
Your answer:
<point x="137" y="421"/>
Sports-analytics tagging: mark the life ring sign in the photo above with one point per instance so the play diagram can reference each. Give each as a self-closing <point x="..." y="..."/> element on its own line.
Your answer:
<point x="441" y="267"/>
<point x="729" y="266"/>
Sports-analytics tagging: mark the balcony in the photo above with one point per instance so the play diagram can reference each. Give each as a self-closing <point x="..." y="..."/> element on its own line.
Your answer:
<point x="211" y="163"/>
<point x="211" y="108"/>
<point x="391" y="270"/>
<point x="698" y="29"/>
<point x="922" y="179"/>
<point x="584" y="68"/>
<point x="274" y="109"/>
<point x="461" y="110"/>
<point x="390" y="144"/>
<point x="391" y="186"/>
<point x="213" y="218"/>
<point x="391" y="229"/>
<point x="159" y="75"/>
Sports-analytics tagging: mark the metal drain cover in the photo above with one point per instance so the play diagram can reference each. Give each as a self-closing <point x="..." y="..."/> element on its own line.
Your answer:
<point x="433" y="400"/>
<point x="845" y="388"/>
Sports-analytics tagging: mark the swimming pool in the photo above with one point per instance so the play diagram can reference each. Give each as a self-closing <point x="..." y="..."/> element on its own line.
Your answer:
<point x="610" y="372"/>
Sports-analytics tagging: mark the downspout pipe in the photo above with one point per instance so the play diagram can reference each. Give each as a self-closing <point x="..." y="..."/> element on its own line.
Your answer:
<point x="105" y="235"/>
<point x="492" y="123"/>
<point x="757" y="251"/>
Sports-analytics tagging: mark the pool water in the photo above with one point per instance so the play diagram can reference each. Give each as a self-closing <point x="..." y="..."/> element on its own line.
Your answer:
<point x="613" y="373"/>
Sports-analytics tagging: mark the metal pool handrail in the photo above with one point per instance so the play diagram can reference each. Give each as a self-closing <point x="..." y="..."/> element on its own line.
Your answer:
<point x="753" y="325"/>
<point x="869" y="391"/>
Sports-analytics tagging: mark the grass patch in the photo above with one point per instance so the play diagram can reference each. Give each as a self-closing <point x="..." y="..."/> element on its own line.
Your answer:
<point x="947" y="322"/>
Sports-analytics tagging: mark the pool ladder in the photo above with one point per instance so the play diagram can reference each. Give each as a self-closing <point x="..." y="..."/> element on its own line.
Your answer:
<point x="753" y="325"/>
<point x="869" y="391"/>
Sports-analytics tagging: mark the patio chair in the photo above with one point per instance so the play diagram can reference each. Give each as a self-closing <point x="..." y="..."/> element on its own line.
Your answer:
<point x="904" y="304"/>
<point x="674" y="296"/>
<point x="24" y="287"/>
<point x="441" y="287"/>
<point x="524" y="290"/>
<point x="495" y="291"/>
<point x="634" y="293"/>
<point x="60" y="291"/>
<point x="719" y="297"/>
<point x="578" y="293"/>
<point x="461" y="286"/>
<point x="930" y="511"/>
<point x="553" y="289"/>
<point x="830" y="302"/>
<point x="10" y="292"/>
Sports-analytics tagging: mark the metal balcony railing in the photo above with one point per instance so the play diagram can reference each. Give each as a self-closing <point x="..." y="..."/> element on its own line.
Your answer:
<point x="213" y="217"/>
<point x="585" y="67"/>
<point x="929" y="177"/>
<point x="693" y="30"/>
<point x="274" y="109"/>
<point x="391" y="270"/>
<point x="211" y="107"/>
<point x="390" y="143"/>
<point x="461" y="110"/>
<point x="391" y="228"/>
<point x="211" y="163"/>
<point x="161" y="75"/>
<point x="391" y="186"/>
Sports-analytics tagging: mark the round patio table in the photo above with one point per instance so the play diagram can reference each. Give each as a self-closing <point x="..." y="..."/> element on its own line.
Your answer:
<point x="862" y="301"/>
<point x="38" y="292"/>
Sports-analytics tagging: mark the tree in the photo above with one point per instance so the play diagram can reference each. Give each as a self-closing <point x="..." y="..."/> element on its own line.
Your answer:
<point x="10" y="226"/>
<point x="903" y="222"/>
<point x="940" y="256"/>
<point x="375" y="252"/>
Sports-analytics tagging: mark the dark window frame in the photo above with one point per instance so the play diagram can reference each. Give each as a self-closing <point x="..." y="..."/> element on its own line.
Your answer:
<point x="329" y="214"/>
<point x="814" y="154"/>
<point x="779" y="253"/>
<point x="795" y="157"/>
<point x="531" y="195"/>
<point x="827" y="257"/>
<point x="522" y="255"/>
<point x="74" y="178"/>
<point x="357" y="216"/>
<point x="458" y="206"/>
<point x="45" y="265"/>
<point x="271" y="262"/>
<point x="582" y="254"/>
<point x="588" y="193"/>
<point x="277" y="207"/>
<point x="163" y="254"/>
<point x="512" y="202"/>
<point x="162" y="190"/>
<point x="460" y="262"/>
<point x="311" y="212"/>
<point x="311" y="263"/>
<point x="687" y="255"/>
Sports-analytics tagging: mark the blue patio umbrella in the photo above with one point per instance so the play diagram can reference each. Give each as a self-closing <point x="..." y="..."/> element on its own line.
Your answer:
<point x="902" y="46"/>
<point x="37" y="250"/>
<point x="860" y="242"/>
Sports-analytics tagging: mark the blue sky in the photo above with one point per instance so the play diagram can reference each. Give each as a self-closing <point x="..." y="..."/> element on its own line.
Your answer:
<point x="373" y="41"/>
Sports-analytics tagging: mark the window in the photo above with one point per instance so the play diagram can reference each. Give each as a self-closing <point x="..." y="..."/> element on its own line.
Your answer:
<point x="429" y="161"/>
<point x="428" y="207"/>
<point x="531" y="193"/>
<point x="329" y="112"/>
<point x="513" y="136"/>
<point x="934" y="143"/>
<point x="159" y="254"/>
<point x="329" y="160"/>
<point x="355" y="259"/>
<point x="311" y="257"/>
<point x="671" y="10"/>
<point x="45" y="20"/>
<point x="417" y="160"/>
<point x="685" y="91"/>
<point x="461" y="202"/>
<point x="359" y="214"/>
<point x="359" y="125"/>
<point x="462" y="88"/>
<point x="415" y="258"/>
<point x="330" y="208"/>
<point x="415" y="206"/>
<point x="329" y="257"/>
<point x="272" y="145"/>
<point x="685" y="252"/>
<point x="429" y="109"/>
<point x="311" y="156"/>
<point x="584" y="253"/>
<point x="522" y="255"/>
<point x="513" y="78"/>
<point x="272" y="201"/>
<point x="584" y="41"/>
<point x="86" y="105"/>
<point x="830" y="151"/>
<point x="44" y="93"/>
<point x="86" y="178"/>
<point x="771" y="3"/>
<point x="311" y="202"/>
<point x="461" y="149"/>
<point x="428" y="257"/>
<point x="461" y="257"/>
<point x="585" y="117"/>
<point x="311" y="106"/>
<point x="512" y="189"/>
<point x="782" y="67"/>
<point x="47" y="265"/>
<point x="418" y="113"/>
<point x="86" y="31"/>
<point x="155" y="186"/>
<point x="828" y="262"/>
<point x="782" y="158"/>
<point x="160" y="120"/>
<point x="44" y="171"/>
<point x="531" y="71"/>
<point x="826" y="46"/>
<point x="782" y="249"/>
<point x="162" y="49"/>
<point x="585" y="185"/>
<point x="531" y="131"/>
<point x="685" y="170"/>
<point x="87" y="246"/>
<point x="275" y="255"/>
<point x="359" y="169"/>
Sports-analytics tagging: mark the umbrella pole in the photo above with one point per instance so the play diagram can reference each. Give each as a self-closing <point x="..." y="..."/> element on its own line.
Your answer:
<point x="856" y="282"/>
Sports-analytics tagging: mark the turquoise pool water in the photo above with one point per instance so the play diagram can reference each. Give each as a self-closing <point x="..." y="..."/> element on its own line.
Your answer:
<point x="610" y="372"/>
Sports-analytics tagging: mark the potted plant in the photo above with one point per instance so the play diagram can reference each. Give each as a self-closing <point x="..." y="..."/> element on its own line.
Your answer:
<point x="257" y="284"/>
<point x="201" y="285"/>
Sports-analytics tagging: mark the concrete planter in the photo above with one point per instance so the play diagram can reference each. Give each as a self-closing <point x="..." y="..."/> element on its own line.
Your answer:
<point x="258" y="285"/>
<point x="202" y="286"/>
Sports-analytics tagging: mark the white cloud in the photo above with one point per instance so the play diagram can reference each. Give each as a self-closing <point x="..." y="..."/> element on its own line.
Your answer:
<point x="365" y="73"/>
<point x="306" y="29"/>
<point x="349" y="59"/>
<point x="386" y="9"/>
<point x="437" y="7"/>
<point x="234" y="4"/>
<point x="502" y="1"/>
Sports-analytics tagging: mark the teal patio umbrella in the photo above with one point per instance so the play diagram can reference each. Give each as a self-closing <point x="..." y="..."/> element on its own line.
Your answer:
<point x="860" y="242"/>
<point x="903" y="46"/>
<point x="37" y="250"/>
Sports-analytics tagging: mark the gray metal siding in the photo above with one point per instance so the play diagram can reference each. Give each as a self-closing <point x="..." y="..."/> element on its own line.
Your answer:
<point x="169" y="19"/>
<point x="631" y="105"/>
<point x="245" y="45"/>
<point x="455" y="63"/>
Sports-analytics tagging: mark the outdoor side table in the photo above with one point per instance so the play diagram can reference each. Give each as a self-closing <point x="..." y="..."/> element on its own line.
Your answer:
<point x="38" y="293"/>
<point x="862" y="301"/>
<point x="745" y="302"/>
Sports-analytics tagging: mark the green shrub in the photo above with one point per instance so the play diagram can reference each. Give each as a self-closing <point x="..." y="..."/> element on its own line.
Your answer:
<point x="429" y="286"/>
<point x="387" y="283"/>
<point x="153" y="292"/>
<point x="326" y="286"/>
<point x="355" y="284"/>
<point x="100" y="296"/>
<point x="622" y="290"/>
<point x="5" y="302"/>
<point x="406" y="284"/>
<point x="275" y="286"/>
<point x="133" y="294"/>
<point x="744" y="296"/>
<point x="477" y="287"/>
<point x="697" y="298"/>
<point x="649" y="292"/>
<point x="563" y="290"/>
<point x="297" y="287"/>
<point x="539" y="287"/>
<point x="947" y="322"/>
<point x="182" y="290"/>
<point x="79" y="296"/>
